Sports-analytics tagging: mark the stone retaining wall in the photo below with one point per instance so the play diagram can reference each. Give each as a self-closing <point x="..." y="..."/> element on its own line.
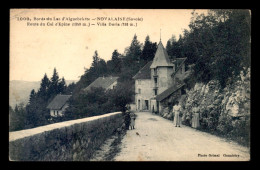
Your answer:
<point x="74" y="140"/>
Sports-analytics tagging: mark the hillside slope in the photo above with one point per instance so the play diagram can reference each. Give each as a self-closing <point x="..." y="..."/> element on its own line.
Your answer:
<point x="19" y="90"/>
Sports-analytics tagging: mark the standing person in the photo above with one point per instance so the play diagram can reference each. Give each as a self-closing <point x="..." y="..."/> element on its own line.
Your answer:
<point x="176" y="109"/>
<point x="195" y="116"/>
<point x="127" y="119"/>
<point x="132" y="124"/>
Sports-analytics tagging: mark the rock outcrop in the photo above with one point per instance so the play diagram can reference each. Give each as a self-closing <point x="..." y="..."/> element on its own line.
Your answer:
<point x="220" y="109"/>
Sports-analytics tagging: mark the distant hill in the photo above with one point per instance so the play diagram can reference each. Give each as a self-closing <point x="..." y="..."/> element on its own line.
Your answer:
<point x="19" y="90"/>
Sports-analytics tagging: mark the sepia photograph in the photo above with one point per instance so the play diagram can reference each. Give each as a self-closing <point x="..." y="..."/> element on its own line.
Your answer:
<point x="124" y="85"/>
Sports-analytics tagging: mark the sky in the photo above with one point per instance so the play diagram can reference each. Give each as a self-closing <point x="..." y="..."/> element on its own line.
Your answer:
<point x="36" y="50"/>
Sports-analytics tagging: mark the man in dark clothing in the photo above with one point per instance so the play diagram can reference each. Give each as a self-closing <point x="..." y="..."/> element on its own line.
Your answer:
<point x="127" y="120"/>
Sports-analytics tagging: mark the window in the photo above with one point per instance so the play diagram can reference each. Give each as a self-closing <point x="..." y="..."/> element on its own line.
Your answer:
<point x="139" y="82"/>
<point x="155" y="91"/>
<point x="155" y="80"/>
<point x="155" y="71"/>
<point x="139" y="91"/>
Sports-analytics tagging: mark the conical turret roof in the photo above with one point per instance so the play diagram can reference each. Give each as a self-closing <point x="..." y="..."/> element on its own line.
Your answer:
<point x="161" y="58"/>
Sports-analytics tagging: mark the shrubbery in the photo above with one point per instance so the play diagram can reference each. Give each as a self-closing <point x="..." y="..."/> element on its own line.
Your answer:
<point x="97" y="101"/>
<point x="238" y="129"/>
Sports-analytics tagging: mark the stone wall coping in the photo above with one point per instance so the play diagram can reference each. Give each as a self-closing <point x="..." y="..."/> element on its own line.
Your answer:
<point x="34" y="131"/>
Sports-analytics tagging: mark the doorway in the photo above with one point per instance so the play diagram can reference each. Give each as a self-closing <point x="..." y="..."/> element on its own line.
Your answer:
<point x="146" y="104"/>
<point x="157" y="106"/>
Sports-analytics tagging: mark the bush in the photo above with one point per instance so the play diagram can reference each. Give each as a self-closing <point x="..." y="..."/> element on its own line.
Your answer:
<point x="122" y="95"/>
<point x="17" y="118"/>
<point x="241" y="131"/>
<point x="98" y="101"/>
<point x="225" y="124"/>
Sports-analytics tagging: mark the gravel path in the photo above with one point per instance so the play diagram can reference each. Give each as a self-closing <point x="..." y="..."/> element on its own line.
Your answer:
<point x="159" y="140"/>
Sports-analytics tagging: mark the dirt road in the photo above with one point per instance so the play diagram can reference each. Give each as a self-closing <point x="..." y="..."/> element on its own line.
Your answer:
<point x="159" y="140"/>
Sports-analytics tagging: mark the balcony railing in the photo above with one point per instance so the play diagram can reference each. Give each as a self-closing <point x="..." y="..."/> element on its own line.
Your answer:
<point x="155" y="87"/>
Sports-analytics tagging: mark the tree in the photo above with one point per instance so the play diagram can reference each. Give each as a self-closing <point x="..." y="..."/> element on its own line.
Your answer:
<point x="134" y="51"/>
<point x="12" y="120"/>
<point x="102" y="67"/>
<point x="96" y="59"/>
<point x="62" y="86"/>
<point x="55" y="77"/>
<point x="44" y="87"/>
<point x="171" y="47"/>
<point x="149" y="50"/>
<point x="54" y="84"/>
<point x="115" y="65"/>
<point x="17" y="117"/>
<point x="218" y="44"/>
<point x="70" y="88"/>
<point x="132" y="62"/>
<point x="37" y="113"/>
<point x="98" y="66"/>
<point x="122" y="95"/>
<point x="87" y="104"/>
<point x="32" y="96"/>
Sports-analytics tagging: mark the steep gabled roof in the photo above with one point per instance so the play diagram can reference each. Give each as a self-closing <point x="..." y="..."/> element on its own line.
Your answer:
<point x="168" y="92"/>
<point x="58" y="102"/>
<point x="103" y="82"/>
<point x="161" y="57"/>
<point x="145" y="72"/>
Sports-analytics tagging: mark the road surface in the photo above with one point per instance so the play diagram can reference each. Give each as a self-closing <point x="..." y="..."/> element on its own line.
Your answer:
<point x="156" y="139"/>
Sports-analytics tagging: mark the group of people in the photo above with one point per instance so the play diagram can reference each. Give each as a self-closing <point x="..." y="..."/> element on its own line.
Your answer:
<point x="129" y="119"/>
<point x="177" y="117"/>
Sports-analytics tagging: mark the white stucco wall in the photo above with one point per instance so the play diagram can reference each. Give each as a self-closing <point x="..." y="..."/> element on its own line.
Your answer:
<point x="56" y="113"/>
<point x="146" y="93"/>
<point x="52" y="113"/>
<point x="164" y="78"/>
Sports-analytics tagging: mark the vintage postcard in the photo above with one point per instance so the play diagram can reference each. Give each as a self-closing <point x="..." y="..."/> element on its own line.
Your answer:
<point x="129" y="85"/>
